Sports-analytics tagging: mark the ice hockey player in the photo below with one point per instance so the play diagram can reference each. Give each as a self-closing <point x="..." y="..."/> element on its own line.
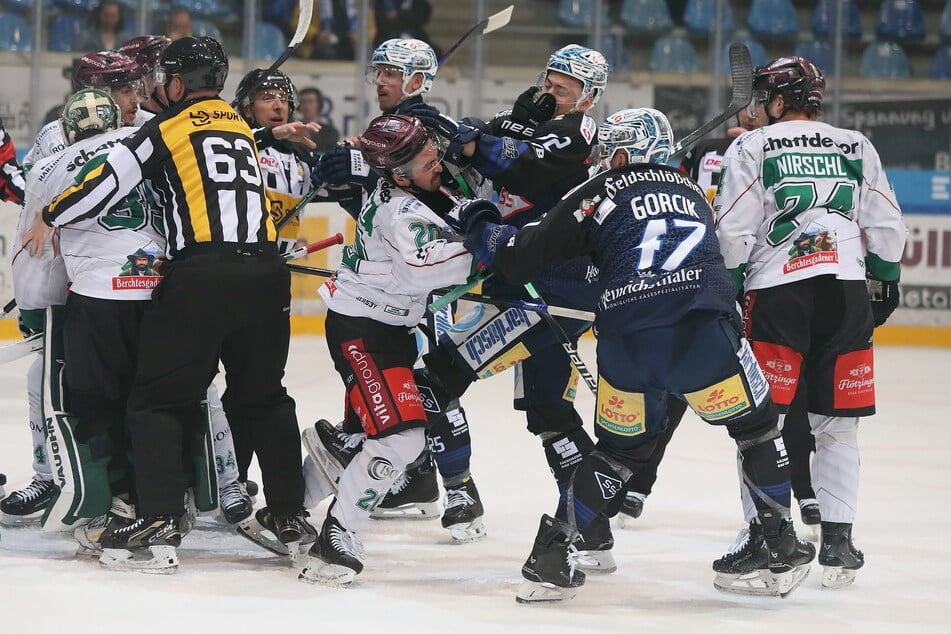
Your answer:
<point x="667" y="324"/>
<point x="807" y="311"/>
<point x="147" y="50"/>
<point x="377" y="296"/>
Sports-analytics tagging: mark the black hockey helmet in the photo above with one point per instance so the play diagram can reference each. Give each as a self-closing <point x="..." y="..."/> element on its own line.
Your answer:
<point x="798" y="80"/>
<point x="263" y="79"/>
<point x="199" y="61"/>
<point x="105" y="69"/>
<point x="146" y="50"/>
<point x="393" y="140"/>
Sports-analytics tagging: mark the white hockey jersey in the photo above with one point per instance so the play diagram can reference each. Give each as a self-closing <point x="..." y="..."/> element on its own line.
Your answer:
<point x="110" y="256"/>
<point x="797" y="199"/>
<point x="286" y="181"/>
<point x="49" y="141"/>
<point x="396" y="259"/>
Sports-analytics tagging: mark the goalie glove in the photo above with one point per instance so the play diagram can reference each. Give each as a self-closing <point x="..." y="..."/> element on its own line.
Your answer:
<point x="884" y="297"/>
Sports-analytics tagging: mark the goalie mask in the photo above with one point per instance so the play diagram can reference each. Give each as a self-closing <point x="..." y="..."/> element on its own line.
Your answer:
<point x="411" y="57"/>
<point x="87" y="113"/>
<point x="584" y="64"/>
<point x="644" y="134"/>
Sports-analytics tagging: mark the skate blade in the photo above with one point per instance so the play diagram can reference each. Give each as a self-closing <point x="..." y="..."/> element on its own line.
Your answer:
<point x="467" y="531"/>
<point x="13" y="521"/>
<point x="411" y="511"/>
<point x="835" y="577"/>
<point x="599" y="562"/>
<point x="325" y="463"/>
<point x="252" y="530"/>
<point x="87" y="547"/>
<point x="164" y="560"/>
<point x="761" y="583"/>
<point x="535" y="592"/>
<point x="320" y="572"/>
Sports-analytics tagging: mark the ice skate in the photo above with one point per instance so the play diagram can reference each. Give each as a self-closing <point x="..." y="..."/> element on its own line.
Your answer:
<point x="414" y="495"/>
<point x="336" y="558"/>
<point x="594" y="554"/>
<point x="631" y="509"/>
<point x="26" y="505"/>
<point x="549" y="572"/>
<point x="234" y="503"/>
<point x="282" y="534"/>
<point x="463" y="514"/>
<point x="838" y="556"/>
<point x="740" y="570"/>
<point x="120" y="514"/>
<point x="789" y="556"/>
<point x="811" y="518"/>
<point x="160" y="534"/>
<point x="331" y="449"/>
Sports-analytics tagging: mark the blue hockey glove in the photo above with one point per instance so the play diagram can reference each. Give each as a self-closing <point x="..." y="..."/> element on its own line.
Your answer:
<point x="467" y="214"/>
<point x="464" y="134"/>
<point x="533" y="109"/>
<point x="341" y="166"/>
<point x="884" y="297"/>
<point x="432" y="119"/>
<point x="483" y="240"/>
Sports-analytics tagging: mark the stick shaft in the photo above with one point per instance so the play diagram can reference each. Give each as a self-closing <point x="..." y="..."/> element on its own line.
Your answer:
<point x="492" y="23"/>
<point x="301" y="252"/>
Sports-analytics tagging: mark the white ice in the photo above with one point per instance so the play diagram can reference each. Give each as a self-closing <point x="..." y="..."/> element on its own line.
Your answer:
<point x="416" y="581"/>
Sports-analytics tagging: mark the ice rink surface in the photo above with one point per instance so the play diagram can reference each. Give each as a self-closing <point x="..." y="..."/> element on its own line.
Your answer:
<point x="417" y="581"/>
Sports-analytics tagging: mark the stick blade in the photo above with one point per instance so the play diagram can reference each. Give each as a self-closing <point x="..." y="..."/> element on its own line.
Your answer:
<point x="741" y="71"/>
<point x="497" y="20"/>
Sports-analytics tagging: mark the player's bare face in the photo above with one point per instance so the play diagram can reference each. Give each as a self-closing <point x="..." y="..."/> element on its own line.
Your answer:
<point x="127" y="98"/>
<point x="270" y="108"/>
<point x="388" y="82"/>
<point x="564" y="88"/>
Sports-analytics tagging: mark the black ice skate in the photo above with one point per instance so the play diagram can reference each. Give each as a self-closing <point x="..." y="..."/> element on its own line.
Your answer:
<point x="414" y="495"/>
<point x="336" y="558"/>
<point x="740" y="569"/>
<point x="161" y="534"/>
<point x="331" y="449"/>
<point x="811" y="518"/>
<point x="234" y="503"/>
<point x="26" y="505"/>
<point x="463" y="514"/>
<point x="631" y="508"/>
<point x="282" y="534"/>
<point x="120" y="514"/>
<point x="838" y="556"/>
<point x="789" y="556"/>
<point x="594" y="548"/>
<point x="549" y="572"/>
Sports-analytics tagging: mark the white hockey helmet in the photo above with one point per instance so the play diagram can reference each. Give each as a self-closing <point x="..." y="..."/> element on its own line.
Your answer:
<point x="643" y="133"/>
<point x="584" y="64"/>
<point x="411" y="56"/>
<point x="87" y="113"/>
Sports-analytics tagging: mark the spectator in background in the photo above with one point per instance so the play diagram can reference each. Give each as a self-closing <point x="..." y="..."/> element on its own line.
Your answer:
<point x="402" y="19"/>
<point x="311" y="110"/>
<point x="338" y="26"/>
<point x="179" y="23"/>
<point x="105" y="30"/>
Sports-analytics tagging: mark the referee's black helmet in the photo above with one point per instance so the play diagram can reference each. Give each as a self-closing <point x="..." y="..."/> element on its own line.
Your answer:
<point x="199" y="61"/>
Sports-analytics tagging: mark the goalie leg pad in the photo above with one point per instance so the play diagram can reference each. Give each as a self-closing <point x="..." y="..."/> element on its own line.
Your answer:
<point x="81" y="472"/>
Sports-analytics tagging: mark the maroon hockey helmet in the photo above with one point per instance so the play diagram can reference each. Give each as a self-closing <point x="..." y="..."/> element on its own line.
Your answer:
<point x="105" y="69"/>
<point x="146" y="50"/>
<point x="392" y="140"/>
<point x="798" y="80"/>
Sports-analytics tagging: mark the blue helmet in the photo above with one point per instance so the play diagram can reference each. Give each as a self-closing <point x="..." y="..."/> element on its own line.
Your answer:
<point x="643" y="133"/>
<point x="410" y="56"/>
<point x="584" y="64"/>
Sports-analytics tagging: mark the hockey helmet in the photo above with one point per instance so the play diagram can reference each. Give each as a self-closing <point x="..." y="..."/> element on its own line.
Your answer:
<point x="105" y="69"/>
<point x="146" y="50"/>
<point x="411" y="56"/>
<point x="261" y="79"/>
<point x="393" y="140"/>
<point x="87" y="113"/>
<point x="643" y="133"/>
<point x="798" y="80"/>
<point x="199" y="61"/>
<point x="584" y="64"/>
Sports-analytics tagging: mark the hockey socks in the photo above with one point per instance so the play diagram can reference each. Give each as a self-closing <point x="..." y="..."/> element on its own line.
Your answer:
<point x="766" y="472"/>
<point x="564" y="452"/>
<point x="451" y="445"/>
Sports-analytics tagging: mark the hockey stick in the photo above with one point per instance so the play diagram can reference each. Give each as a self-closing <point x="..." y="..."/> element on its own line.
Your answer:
<point x="8" y="308"/>
<point x="304" y="251"/>
<point x="457" y="292"/>
<point x="492" y="23"/>
<point x="20" y="349"/>
<point x="557" y="311"/>
<point x="296" y="209"/>
<point x="303" y="23"/>
<point x="741" y="70"/>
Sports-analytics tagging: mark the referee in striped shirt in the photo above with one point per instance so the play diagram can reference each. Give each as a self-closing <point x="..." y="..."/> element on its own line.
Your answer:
<point x="225" y="295"/>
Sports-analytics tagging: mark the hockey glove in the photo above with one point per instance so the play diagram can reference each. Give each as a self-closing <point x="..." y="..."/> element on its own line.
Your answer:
<point x="341" y="166"/>
<point x="432" y="119"/>
<point x="455" y="151"/>
<point x="532" y="108"/>
<point x="884" y="297"/>
<point x="484" y="238"/>
<point x="30" y="321"/>
<point x="466" y="215"/>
